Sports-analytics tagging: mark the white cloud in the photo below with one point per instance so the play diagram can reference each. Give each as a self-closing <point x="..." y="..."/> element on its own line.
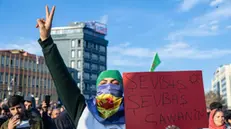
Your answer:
<point x="216" y="2"/>
<point x="30" y="46"/>
<point x="188" y="4"/>
<point x="126" y="44"/>
<point x="175" y="50"/>
<point x="221" y="13"/>
<point x="214" y="28"/>
<point x="171" y="24"/>
<point x="131" y="51"/>
<point x="191" y="32"/>
<point x="125" y="62"/>
<point x="202" y="26"/>
<point x="185" y="51"/>
<point x="228" y="27"/>
<point x="104" y="19"/>
<point x="213" y="22"/>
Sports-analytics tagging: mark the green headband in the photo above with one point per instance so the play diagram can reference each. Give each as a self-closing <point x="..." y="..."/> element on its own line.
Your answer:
<point x="110" y="74"/>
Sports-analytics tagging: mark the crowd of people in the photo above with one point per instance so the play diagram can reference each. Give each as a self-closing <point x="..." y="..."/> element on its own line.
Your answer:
<point x="104" y="111"/>
<point x="41" y="116"/>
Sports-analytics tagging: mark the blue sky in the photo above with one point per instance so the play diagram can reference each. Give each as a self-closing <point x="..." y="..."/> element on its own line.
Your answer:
<point x="187" y="34"/>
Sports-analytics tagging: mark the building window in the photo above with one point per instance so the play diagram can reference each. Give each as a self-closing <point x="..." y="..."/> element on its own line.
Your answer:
<point x="79" y="75"/>
<point x="21" y="62"/>
<point x="25" y="64"/>
<point x="29" y="81"/>
<point x="94" y="56"/>
<point x="223" y="80"/>
<point x="33" y="81"/>
<point x="11" y="79"/>
<point x="102" y="68"/>
<point x="44" y="83"/>
<point x="78" y="84"/>
<point x="87" y="86"/>
<point x="7" y="61"/>
<point x="79" y="54"/>
<point x="1" y="77"/>
<point x="102" y="58"/>
<point x="86" y="65"/>
<point x="72" y="53"/>
<point x="79" y="43"/>
<point x="94" y="67"/>
<point x="87" y="55"/>
<point x="78" y="64"/>
<point x="28" y="64"/>
<point x="25" y="80"/>
<point x="87" y="44"/>
<point x="73" y="43"/>
<point x="86" y="76"/>
<point x="2" y="60"/>
<point x="49" y="83"/>
<point x="102" y="48"/>
<point x="72" y="64"/>
<point x="16" y="62"/>
<point x="11" y="62"/>
<point x="94" y="46"/>
<point x="34" y="65"/>
<point x="93" y="76"/>
<point x="31" y="64"/>
<point x="6" y="77"/>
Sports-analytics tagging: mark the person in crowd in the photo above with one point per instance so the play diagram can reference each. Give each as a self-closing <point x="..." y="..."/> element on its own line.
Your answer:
<point x="49" y="112"/>
<point x="63" y="121"/>
<point x="30" y="106"/>
<point x="62" y="109"/>
<point x="212" y="106"/>
<point x="47" y="120"/>
<point x="215" y="105"/>
<point x="217" y="120"/>
<point x="97" y="114"/>
<point x="5" y="111"/>
<point x="55" y="113"/>
<point x="19" y="117"/>
<point x="5" y="115"/>
<point x="227" y="115"/>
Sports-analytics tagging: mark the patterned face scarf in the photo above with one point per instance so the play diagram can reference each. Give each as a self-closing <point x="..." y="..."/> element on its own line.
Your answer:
<point x="108" y="99"/>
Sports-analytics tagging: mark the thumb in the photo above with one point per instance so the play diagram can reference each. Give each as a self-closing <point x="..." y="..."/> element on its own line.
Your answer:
<point x="40" y="23"/>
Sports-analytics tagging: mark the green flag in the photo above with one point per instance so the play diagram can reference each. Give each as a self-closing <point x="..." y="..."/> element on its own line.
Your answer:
<point x="155" y="63"/>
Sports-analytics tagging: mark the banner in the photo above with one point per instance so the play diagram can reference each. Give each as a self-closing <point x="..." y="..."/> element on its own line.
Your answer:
<point x="154" y="100"/>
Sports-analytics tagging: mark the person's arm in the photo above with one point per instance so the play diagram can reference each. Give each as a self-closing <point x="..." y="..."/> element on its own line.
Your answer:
<point x="66" y="86"/>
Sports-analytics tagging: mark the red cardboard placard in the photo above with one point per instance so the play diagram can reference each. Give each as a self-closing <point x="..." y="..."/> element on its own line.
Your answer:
<point x="154" y="100"/>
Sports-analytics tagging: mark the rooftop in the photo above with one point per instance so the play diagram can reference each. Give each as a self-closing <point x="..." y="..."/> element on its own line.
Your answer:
<point x="93" y="25"/>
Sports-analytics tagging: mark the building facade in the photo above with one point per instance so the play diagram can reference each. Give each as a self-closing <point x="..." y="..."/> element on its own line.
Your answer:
<point x="25" y="73"/>
<point x="221" y="83"/>
<point x="83" y="47"/>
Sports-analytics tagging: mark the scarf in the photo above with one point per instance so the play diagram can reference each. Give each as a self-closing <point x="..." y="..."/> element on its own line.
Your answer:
<point x="108" y="105"/>
<point x="212" y="125"/>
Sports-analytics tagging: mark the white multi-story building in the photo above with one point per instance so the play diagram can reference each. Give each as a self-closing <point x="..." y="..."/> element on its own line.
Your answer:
<point x="221" y="83"/>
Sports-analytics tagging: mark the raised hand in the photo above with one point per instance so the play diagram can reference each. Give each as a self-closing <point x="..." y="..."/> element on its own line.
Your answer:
<point x="13" y="122"/>
<point x="45" y="25"/>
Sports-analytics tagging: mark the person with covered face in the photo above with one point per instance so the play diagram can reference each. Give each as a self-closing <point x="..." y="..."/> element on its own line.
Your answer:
<point x="104" y="111"/>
